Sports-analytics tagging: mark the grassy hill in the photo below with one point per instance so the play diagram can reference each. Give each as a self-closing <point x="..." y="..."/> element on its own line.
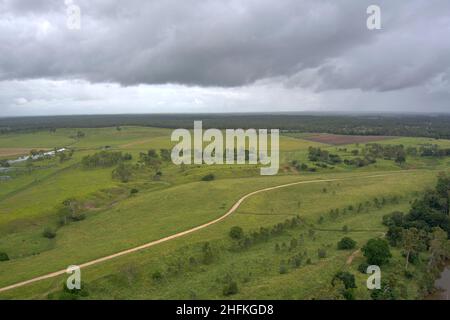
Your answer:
<point x="199" y="265"/>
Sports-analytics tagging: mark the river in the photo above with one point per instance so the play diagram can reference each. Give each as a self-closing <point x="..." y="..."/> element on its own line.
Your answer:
<point x="442" y="285"/>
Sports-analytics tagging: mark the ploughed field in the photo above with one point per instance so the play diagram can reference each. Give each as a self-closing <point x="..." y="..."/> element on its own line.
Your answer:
<point x="61" y="211"/>
<point x="339" y="139"/>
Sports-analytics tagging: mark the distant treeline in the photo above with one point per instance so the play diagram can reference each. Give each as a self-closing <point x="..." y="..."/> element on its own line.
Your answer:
<point x="435" y="126"/>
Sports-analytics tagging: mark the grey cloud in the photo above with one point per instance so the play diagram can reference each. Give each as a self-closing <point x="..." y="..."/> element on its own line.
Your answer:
<point x="292" y="54"/>
<point x="210" y="43"/>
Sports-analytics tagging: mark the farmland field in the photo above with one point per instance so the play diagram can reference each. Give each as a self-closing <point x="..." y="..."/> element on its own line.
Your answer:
<point x="57" y="211"/>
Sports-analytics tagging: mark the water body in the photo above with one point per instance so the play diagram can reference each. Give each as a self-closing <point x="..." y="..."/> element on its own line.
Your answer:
<point x="442" y="285"/>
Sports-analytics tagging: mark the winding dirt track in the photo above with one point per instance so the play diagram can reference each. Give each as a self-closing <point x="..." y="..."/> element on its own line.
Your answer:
<point x="180" y="234"/>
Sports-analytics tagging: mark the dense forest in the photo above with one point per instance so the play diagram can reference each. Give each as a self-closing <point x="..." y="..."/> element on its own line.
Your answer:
<point x="435" y="126"/>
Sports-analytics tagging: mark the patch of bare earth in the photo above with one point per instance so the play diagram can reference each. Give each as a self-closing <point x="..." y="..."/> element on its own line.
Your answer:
<point x="11" y="152"/>
<point x="339" y="139"/>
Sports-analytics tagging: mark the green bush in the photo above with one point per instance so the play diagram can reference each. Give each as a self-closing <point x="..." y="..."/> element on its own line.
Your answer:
<point x="3" y="256"/>
<point x="236" y="232"/>
<point x="208" y="177"/>
<point x="157" y="276"/>
<point x="49" y="233"/>
<point x="363" y="267"/>
<point x="230" y="288"/>
<point x="347" y="279"/>
<point x="346" y="243"/>
<point x="322" y="253"/>
<point x="283" y="268"/>
<point x="78" y="217"/>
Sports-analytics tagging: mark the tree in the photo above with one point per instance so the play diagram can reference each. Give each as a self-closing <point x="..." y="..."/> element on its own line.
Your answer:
<point x="394" y="235"/>
<point x="412" y="241"/>
<point x="443" y="189"/>
<point x="346" y="277"/>
<point x="346" y="243"/>
<point x="123" y="172"/>
<point x="377" y="251"/>
<point x="400" y="158"/>
<point x="236" y="232"/>
<point x="165" y="154"/>
<point x="439" y="248"/>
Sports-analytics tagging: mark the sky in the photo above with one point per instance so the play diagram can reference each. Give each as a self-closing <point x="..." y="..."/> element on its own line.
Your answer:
<point x="188" y="56"/>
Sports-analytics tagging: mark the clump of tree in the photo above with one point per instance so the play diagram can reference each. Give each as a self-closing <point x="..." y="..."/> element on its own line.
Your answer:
<point x="263" y="234"/>
<point x="360" y="162"/>
<point x="427" y="212"/>
<point x="386" y="151"/>
<point x="104" y="159"/>
<point x="319" y="155"/>
<point x="346" y="243"/>
<point x="433" y="150"/>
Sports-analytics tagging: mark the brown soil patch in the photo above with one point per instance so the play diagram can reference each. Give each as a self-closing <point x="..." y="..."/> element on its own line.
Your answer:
<point x="338" y="139"/>
<point x="10" y="152"/>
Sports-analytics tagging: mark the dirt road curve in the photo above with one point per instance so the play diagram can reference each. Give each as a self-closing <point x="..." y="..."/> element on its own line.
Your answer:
<point x="177" y="235"/>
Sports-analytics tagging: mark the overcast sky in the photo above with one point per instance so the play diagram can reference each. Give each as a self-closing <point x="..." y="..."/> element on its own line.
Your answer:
<point x="223" y="56"/>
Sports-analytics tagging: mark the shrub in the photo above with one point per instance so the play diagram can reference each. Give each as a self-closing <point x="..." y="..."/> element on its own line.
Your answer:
<point x="134" y="191"/>
<point x="236" y="232"/>
<point x="346" y="243"/>
<point x="78" y="217"/>
<point x="157" y="276"/>
<point x="208" y="177"/>
<point x="283" y="268"/>
<point x="3" y="256"/>
<point x="123" y="172"/>
<point x="347" y="279"/>
<point x="74" y="294"/>
<point x="49" y="233"/>
<point x="363" y="267"/>
<point x="208" y="255"/>
<point x="230" y="288"/>
<point x="322" y="253"/>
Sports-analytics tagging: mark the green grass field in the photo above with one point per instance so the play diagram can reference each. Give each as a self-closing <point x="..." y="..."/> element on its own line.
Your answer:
<point x="114" y="220"/>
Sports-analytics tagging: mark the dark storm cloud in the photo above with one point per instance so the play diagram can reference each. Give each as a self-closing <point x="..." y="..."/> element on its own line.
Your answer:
<point x="322" y="45"/>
